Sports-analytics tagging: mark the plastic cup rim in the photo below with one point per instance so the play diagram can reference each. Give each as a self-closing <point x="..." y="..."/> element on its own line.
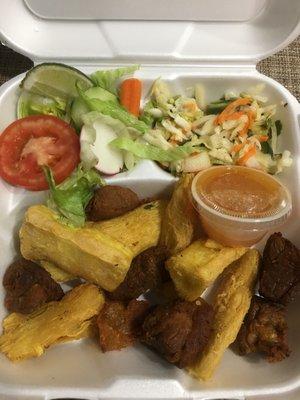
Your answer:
<point x="271" y="219"/>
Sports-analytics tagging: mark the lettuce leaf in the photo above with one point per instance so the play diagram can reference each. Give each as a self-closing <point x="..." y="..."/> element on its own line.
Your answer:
<point x="108" y="79"/>
<point x="113" y="110"/>
<point x="70" y="198"/>
<point x="150" y="152"/>
<point x="34" y="104"/>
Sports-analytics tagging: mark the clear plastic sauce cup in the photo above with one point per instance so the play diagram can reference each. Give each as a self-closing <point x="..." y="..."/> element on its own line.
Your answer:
<point x="239" y="205"/>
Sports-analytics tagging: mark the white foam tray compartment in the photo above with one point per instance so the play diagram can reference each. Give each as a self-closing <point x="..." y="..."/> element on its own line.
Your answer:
<point x="79" y="369"/>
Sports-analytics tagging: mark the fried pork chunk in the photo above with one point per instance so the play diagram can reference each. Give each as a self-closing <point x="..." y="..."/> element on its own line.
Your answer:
<point x="28" y="286"/>
<point x="146" y="272"/>
<point x="264" y="330"/>
<point x="119" y="325"/>
<point x="179" y="331"/>
<point x="280" y="278"/>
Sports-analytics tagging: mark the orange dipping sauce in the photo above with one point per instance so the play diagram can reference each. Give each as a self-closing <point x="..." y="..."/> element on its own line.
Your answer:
<point x="238" y="205"/>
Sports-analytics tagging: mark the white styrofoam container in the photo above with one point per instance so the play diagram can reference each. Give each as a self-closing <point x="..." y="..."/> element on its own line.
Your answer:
<point x="218" y="54"/>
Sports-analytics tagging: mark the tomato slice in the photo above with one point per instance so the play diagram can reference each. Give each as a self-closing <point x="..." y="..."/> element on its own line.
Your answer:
<point x="32" y="142"/>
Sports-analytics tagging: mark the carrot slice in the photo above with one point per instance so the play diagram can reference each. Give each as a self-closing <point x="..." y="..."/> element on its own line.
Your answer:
<point x="130" y="95"/>
<point x="233" y="116"/>
<point x="251" y="152"/>
<point x="237" y="147"/>
<point x="248" y="124"/>
<point x="242" y="101"/>
<point x="263" y="138"/>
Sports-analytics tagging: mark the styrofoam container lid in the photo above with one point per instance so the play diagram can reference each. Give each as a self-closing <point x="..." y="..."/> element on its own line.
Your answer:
<point x="205" y="31"/>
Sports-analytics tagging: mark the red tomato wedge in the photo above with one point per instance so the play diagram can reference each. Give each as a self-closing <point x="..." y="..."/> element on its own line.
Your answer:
<point x="32" y="142"/>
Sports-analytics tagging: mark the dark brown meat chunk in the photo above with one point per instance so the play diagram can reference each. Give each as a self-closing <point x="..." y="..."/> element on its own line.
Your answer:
<point x="110" y="202"/>
<point x="146" y="272"/>
<point x="280" y="277"/>
<point x="180" y="331"/>
<point x="28" y="286"/>
<point x="120" y="325"/>
<point x="264" y="330"/>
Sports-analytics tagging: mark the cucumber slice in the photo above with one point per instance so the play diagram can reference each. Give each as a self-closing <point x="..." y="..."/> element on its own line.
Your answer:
<point x="101" y="94"/>
<point x="55" y="80"/>
<point x="79" y="108"/>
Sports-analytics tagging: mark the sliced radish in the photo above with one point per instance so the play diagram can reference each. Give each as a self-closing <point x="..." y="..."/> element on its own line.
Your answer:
<point x="95" y="148"/>
<point x="111" y="160"/>
<point x="196" y="162"/>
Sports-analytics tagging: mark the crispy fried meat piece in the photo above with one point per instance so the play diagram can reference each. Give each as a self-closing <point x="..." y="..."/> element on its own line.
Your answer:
<point x="28" y="286"/>
<point x="264" y="330"/>
<point x="111" y="201"/>
<point x="280" y="277"/>
<point x="146" y="272"/>
<point x="120" y="325"/>
<point x="179" y="331"/>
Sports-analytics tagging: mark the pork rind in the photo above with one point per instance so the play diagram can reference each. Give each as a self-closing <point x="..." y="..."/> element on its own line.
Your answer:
<point x="26" y="336"/>
<point x="231" y="303"/>
<point x="197" y="266"/>
<point x="181" y="220"/>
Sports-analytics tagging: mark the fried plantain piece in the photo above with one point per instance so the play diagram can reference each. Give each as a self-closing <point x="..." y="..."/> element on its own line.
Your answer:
<point x="26" y="336"/>
<point x="181" y="221"/>
<point x="84" y="252"/>
<point x="231" y="303"/>
<point x="58" y="274"/>
<point x="138" y="229"/>
<point x="197" y="266"/>
<point x="120" y="325"/>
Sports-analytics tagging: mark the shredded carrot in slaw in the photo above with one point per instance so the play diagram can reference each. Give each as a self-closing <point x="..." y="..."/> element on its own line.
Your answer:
<point x="230" y="109"/>
<point x="249" y="153"/>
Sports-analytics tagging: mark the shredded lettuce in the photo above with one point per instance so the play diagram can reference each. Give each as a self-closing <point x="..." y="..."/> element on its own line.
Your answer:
<point x="146" y="115"/>
<point x="113" y="110"/>
<point x="70" y="198"/>
<point x="108" y="79"/>
<point x="34" y="104"/>
<point x="150" y="152"/>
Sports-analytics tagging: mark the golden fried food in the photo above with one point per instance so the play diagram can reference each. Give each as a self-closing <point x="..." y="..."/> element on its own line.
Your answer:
<point x="120" y="324"/>
<point x="166" y="293"/>
<point x="71" y="318"/>
<point x="231" y="303"/>
<point x="197" y="266"/>
<point x="138" y="229"/>
<point x="181" y="220"/>
<point x="28" y="286"/>
<point x="84" y="252"/>
<point x="58" y="274"/>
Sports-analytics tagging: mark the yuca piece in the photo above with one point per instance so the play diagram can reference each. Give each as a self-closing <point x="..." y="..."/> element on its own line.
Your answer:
<point x="58" y="274"/>
<point x="231" y="303"/>
<point x="181" y="220"/>
<point x="55" y="322"/>
<point x="138" y="229"/>
<point x="84" y="252"/>
<point x="197" y="266"/>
